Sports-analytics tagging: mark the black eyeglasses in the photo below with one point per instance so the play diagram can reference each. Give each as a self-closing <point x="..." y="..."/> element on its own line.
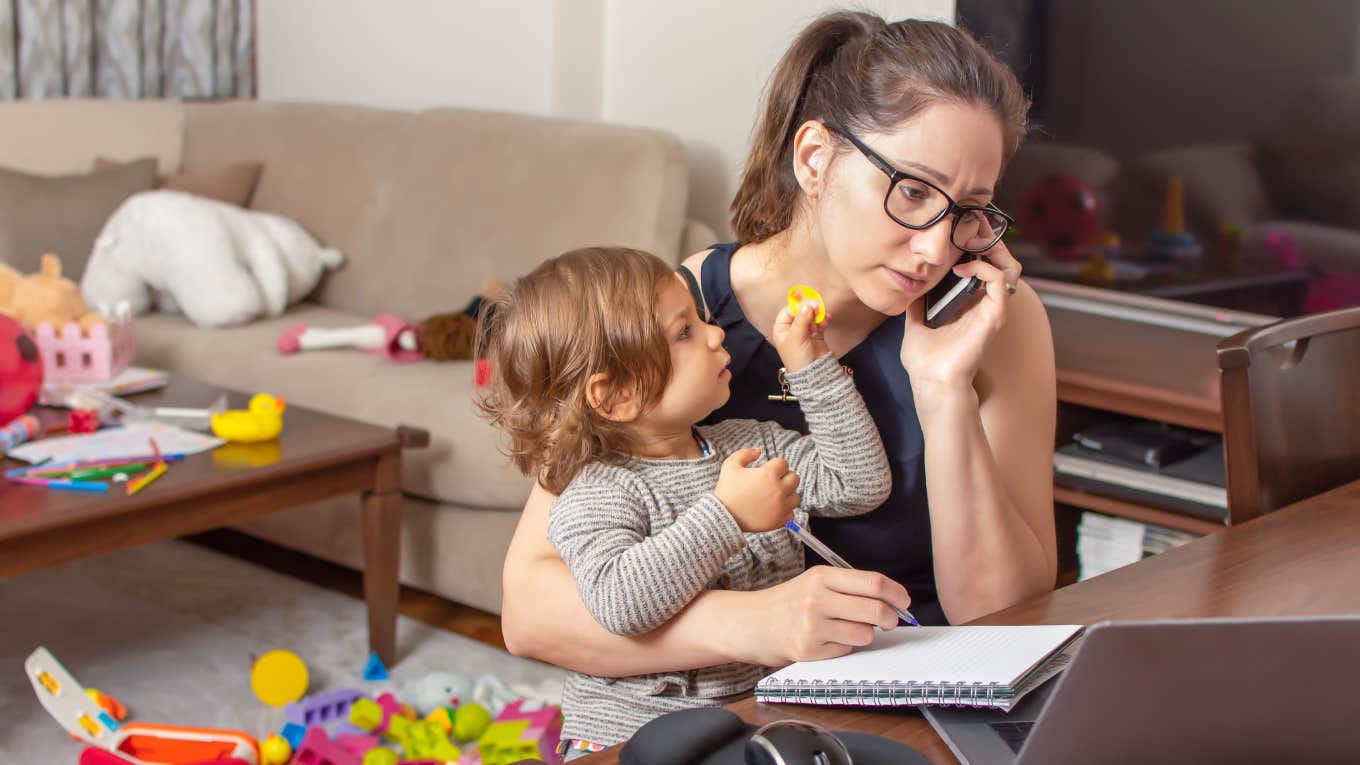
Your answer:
<point x="918" y="204"/>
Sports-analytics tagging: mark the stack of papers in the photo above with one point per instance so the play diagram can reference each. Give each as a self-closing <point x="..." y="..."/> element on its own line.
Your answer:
<point x="1105" y="543"/>
<point x="112" y="443"/>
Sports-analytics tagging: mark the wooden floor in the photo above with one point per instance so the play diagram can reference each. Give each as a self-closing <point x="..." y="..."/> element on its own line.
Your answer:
<point x="430" y="609"/>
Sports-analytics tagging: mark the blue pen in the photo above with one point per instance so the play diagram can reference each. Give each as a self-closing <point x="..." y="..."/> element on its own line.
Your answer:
<point x="839" y="562"/>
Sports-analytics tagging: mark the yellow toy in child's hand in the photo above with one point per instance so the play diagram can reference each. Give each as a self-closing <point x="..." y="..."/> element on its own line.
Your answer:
<point x="799" y="294"/>
<point x="263" y="421"/>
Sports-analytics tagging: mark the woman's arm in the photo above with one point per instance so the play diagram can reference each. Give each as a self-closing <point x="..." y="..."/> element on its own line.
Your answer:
<point x="989" y="469"/>
<point x="821" y="613"/>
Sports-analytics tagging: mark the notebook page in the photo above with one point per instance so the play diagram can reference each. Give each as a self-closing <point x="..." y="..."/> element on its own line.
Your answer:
<point x="938" y="654"/>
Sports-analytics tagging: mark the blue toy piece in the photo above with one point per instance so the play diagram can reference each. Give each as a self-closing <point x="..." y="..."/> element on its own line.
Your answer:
<point x="374" y="671"/>
<point x="294" y="733"/>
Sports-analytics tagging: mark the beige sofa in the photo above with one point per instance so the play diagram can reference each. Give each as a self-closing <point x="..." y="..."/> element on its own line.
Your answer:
<point x="425" y="206"/>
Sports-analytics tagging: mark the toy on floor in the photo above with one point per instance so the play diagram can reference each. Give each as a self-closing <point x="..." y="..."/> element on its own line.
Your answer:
<point x="517" y="735"/>
<point x="76" y="711"/>
<point x="263" y="421"/>
<point x="275" y="750"/>
<point x="442" y="337"/>
<point x="278" y="678"/>
<point x="21" y="370"/>
<point x="374" y="671"/>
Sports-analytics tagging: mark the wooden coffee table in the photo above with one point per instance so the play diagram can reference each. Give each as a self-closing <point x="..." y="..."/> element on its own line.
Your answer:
<point x="318" y="456"/>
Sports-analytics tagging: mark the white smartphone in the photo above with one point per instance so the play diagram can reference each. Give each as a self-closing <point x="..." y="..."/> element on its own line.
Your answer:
<point x="953" y="295"/>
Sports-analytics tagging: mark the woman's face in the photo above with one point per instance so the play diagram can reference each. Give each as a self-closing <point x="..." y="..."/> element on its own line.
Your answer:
<point x="887" y="266"/>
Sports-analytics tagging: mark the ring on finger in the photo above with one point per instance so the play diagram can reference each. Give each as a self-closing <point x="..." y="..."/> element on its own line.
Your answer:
<point x="1010" y="289"/>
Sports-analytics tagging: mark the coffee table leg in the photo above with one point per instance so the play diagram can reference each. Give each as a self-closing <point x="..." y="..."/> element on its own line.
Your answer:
<point x="382" y="557"/>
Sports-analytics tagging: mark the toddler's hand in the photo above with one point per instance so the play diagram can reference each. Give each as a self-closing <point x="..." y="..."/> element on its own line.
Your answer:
<point x="759" y="498"/>
<point x="798" y="340"/>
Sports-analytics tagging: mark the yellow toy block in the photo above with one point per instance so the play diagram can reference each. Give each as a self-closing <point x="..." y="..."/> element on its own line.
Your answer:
<point x="443" y="717"/>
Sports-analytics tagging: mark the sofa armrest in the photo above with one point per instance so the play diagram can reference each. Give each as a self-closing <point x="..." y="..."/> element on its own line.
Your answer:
<point x="696" y="236"/>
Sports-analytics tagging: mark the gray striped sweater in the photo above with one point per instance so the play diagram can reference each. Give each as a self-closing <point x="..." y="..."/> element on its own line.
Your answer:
<point x="644" y="538"/>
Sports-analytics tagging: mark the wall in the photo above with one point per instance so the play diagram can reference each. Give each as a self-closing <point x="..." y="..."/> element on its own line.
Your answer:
<point x="695" y="69"/>
<point x="1130" y="77"/>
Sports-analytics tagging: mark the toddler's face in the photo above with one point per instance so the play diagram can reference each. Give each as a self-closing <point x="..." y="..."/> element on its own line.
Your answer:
<point x="699" y="375"/>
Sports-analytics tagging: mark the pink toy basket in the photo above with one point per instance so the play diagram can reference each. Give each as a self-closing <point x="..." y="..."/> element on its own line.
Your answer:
<point x="75" y="357"/>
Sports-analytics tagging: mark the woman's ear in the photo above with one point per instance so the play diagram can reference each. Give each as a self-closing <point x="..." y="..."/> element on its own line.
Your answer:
<point x="812" y="151"/>
<point x="623" y="406"/>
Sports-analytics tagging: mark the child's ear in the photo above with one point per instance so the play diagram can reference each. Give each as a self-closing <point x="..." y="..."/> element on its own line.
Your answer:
<point x="624" y="406"/>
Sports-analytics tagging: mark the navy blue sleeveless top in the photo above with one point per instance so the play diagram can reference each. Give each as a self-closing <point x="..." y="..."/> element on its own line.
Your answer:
<point x="894" y="539"/>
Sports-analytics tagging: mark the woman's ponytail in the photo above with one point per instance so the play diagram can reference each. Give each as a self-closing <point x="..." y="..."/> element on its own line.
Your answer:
<point x="764" y="203"/>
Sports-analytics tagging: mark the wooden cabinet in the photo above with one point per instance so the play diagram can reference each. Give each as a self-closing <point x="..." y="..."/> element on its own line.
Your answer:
<point x="1137" y="356"/>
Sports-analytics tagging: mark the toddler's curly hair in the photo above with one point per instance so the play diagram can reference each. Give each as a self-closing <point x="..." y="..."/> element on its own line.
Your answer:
<point x="586" y="311"/>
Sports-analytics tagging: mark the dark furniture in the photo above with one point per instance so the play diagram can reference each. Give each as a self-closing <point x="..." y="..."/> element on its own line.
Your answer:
<point x="1302" y="560"/>
<point x="1291" y="410"/>
<point x="317" y="457"/>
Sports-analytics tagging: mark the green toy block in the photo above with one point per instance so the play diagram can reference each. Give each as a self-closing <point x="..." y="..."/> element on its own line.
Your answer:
<point x="501" y="744"/>
<point x="381" y="756"/>
<point x="470" y="721"/>
<point x="426" y="741"/>
<point x="396" y="728"/>
<point x="366" y="714"/>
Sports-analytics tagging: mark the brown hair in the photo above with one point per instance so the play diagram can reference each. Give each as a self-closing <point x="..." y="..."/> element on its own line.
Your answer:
<point x="586" y="311"/>
<point x="867" y="75"/>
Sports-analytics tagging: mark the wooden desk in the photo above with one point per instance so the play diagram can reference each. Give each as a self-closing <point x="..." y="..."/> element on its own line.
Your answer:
<point x="1302" y="560"/>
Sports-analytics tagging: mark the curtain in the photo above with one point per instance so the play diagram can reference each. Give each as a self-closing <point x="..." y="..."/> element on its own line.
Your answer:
<point x="176" y="49"/>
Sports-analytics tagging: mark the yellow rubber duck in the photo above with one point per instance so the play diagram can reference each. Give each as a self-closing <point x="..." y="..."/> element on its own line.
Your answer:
<point x="263" y="422"/>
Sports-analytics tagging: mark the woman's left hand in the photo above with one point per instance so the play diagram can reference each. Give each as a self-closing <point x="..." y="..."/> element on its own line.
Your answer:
<point x="949" y="355"/>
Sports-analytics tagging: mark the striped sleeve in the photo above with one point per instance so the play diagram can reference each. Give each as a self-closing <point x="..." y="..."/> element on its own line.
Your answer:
<point x="633" y="581"/>
<point x="841" y="464"/>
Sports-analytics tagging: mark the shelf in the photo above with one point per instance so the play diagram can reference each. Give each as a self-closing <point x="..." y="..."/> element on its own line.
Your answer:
<point x="1136" y="512"/>
<point x="1099" y="392"/>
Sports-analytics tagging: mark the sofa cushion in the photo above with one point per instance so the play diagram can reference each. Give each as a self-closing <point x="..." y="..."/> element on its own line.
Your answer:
<point x="461" y="465"/>
<point x="62" y="136"/>
<point x="63" y="214"/>
<point x="1037" y="160"/>
<point x="233" y="184"/>
<point x="327" y="165"/>
<point x="1312" y="163"/>
<point x="479" y="194"/>
<point x="1220" y="181"/>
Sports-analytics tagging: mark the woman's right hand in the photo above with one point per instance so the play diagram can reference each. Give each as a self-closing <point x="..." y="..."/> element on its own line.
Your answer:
<point x="821" y="613"/>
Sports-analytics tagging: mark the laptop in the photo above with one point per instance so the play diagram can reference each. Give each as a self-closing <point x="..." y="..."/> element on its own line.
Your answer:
<point x="1182" y="691"/>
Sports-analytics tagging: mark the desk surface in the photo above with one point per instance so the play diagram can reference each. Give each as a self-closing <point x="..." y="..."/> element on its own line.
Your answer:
<point x="1297" y="561"/>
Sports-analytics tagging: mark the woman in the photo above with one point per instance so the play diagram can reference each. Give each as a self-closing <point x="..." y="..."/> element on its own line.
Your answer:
<point x="870" y="173"/>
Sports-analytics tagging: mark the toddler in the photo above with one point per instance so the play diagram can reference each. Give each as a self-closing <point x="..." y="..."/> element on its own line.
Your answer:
<point x="601" y="368"/>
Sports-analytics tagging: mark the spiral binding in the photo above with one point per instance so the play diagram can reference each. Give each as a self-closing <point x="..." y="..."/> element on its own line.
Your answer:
<point x="883" y="693"/>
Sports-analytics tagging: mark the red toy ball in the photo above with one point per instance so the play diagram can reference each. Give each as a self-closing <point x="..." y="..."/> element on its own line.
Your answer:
<point x="1061" y="213"/>
<point x="21" y="371"/>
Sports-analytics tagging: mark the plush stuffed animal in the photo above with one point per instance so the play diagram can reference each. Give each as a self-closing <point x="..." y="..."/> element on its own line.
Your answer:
<point x="442" y="337"/>
<point x="45" y="297"/>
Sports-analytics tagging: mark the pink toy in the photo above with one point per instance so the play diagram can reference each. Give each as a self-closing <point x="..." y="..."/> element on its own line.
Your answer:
<point x="515" y="731"/>
<point x="387" y="335"/>
<point x="75" y="356"/>
<point x="358" y="743"/>
<point x="317" y="749"/>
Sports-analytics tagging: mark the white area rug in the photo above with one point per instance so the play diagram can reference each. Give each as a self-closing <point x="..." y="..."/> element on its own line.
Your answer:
<point x="170" y="629"/>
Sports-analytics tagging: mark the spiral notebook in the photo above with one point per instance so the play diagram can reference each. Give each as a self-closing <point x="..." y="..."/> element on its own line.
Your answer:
<point x="990" y="667"/>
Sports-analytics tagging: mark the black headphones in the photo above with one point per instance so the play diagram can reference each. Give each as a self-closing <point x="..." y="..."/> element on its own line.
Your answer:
<point x="714" y="736"/>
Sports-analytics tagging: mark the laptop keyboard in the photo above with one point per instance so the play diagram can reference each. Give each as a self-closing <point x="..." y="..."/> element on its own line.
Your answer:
<point x="1013" y="733"/>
